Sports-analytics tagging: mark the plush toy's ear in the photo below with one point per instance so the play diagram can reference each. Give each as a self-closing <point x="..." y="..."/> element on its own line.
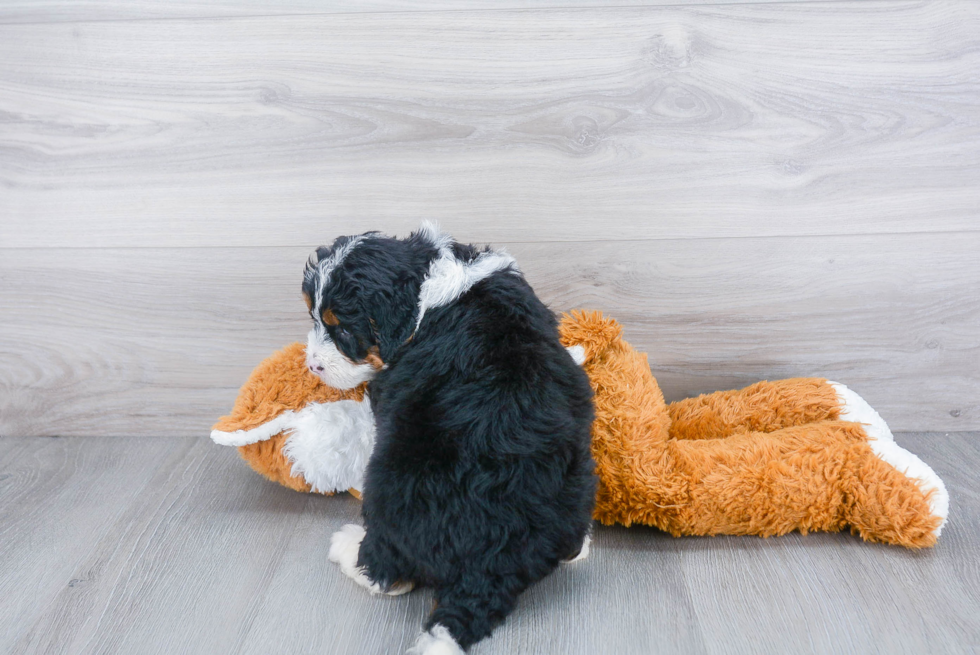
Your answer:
<point x="589" y="330"/>
<point x="279" y="383"/>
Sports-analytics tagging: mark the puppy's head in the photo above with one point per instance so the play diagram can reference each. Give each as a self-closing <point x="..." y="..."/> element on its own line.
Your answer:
<point x="362" y="293"/>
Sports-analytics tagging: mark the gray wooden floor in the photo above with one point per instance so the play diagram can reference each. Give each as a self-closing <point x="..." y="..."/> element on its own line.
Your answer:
<point x="172" y="545"/>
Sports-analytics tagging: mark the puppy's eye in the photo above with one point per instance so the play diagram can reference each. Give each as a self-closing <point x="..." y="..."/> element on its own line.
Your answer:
<point x="341" y="332"/>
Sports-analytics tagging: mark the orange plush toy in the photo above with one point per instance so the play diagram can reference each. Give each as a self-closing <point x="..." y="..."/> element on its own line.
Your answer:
<point x="295" y="430"/>
<point x="803" y="454"/>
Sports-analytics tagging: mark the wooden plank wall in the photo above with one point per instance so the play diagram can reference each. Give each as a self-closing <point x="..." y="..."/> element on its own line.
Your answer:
<point x="755" y="190"/>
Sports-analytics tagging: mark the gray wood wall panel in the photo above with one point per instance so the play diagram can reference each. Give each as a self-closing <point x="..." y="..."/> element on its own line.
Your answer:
<point x="157" y="341"/>
<point x="175" y="546"/>
<point x="643" y="123"/>
<point x="754" y="190"/>
<point x="49" y="11"/>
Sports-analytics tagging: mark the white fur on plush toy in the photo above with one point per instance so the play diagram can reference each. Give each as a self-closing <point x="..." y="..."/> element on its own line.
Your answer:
<point x="328" y="444"/>
<point x="248" y="437"/>
<point x="855" y="408"/>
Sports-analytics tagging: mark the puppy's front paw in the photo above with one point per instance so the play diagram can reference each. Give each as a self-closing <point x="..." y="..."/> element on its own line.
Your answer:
<point x="344" y="548"/>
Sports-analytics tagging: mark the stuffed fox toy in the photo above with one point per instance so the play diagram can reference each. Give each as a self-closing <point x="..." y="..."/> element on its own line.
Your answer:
<point x="802" y="454"/>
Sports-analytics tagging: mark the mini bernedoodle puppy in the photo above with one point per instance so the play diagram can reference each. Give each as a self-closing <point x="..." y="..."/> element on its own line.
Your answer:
<point x="481" y="481"/>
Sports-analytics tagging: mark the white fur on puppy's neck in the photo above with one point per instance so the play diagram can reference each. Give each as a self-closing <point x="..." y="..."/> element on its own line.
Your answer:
<point x="449" y="278"/>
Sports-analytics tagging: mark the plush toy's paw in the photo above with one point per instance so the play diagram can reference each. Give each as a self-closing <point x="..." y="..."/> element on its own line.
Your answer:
<point x="435" y="641"/>
<point x="344" y="547"/>
<point x="855" y="408"/>
<point x="582" y="554"/>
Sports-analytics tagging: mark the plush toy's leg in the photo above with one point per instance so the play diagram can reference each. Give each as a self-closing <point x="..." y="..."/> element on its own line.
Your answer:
<point x="820" y="476"/>
<point x="345" y="547"/>
<point x="882" y="443"/>
<point x="761" y="407"/>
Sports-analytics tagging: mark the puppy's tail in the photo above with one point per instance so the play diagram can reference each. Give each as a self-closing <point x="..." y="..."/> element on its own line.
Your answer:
<point x="465" y="613"/>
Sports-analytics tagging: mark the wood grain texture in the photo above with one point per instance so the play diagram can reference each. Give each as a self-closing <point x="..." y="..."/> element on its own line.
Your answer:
<point x="53" y="11"/>
<point x="191" y="552"/>
<point x="157" y="341"/>
<point x="59" y="501"/>
<point x="608" y="123"/>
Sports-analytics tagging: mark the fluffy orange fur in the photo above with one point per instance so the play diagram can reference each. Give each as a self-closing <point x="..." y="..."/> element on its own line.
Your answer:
<point x="764" y="460"/>
<point x="281" y="382"/>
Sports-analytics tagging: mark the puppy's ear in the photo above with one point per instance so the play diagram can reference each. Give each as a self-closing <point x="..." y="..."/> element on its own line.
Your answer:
<point x="394" y="320"/>
<point x="395" y="308"/>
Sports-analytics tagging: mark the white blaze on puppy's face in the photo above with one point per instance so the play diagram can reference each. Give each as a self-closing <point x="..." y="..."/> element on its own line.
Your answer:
<point x="322" y="355"/>
<point x="331" y="365"/>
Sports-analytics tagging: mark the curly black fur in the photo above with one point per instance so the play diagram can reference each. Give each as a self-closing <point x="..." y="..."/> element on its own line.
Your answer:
<point x="481" y="480"/>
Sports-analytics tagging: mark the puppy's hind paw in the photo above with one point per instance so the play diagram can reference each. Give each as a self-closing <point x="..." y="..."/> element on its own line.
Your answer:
<point x="435" y="641"/>
<point x="344" y="548"/>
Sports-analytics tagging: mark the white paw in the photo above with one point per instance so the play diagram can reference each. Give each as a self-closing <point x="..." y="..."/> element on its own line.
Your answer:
<point x="437" y="641"/>
<point x="855" y="408"/>
<point x="344" y="547"/>
<point x="582" y="554"/>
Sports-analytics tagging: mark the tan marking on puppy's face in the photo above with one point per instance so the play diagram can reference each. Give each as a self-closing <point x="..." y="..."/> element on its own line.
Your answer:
<point x="309" y="302"/>
<point x="329" y="318"/>
<point x="374" y="358"/>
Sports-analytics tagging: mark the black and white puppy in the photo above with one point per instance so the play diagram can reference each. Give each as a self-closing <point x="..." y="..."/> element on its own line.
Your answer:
<point x="481" y="481"/>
